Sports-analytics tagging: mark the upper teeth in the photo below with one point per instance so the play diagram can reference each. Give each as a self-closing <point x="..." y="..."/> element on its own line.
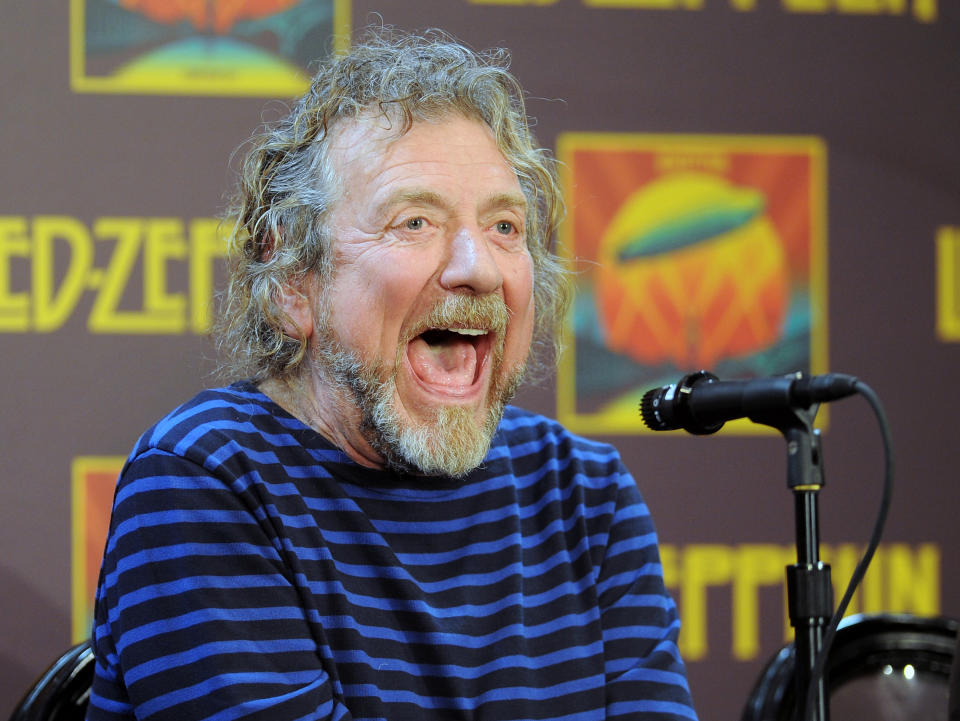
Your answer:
<point x="467" y="331"/>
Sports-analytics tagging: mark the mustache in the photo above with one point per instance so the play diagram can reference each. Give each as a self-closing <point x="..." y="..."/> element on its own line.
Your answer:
<point x="488" y="312"/>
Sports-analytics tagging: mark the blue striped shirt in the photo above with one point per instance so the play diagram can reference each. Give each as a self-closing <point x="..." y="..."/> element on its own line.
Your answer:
<point x="253" y="571"/>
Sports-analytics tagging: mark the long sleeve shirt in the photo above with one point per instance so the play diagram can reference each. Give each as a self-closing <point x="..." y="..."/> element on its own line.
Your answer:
<point x="252" y="570"/>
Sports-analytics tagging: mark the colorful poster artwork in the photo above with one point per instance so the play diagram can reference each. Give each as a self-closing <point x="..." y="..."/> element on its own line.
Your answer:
<point x="202" y="47"/>
<point x="94" y="479"/>
<point x="689" y="253"/>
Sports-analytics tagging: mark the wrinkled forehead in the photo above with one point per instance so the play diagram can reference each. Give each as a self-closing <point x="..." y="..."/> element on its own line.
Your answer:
<point x="378" y="127"/>
<point x="369" y="131"/>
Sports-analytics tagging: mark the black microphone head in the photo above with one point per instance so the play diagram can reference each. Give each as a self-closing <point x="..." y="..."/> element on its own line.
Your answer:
<point x="665" y="408"/>
<point x="650" y="409"/>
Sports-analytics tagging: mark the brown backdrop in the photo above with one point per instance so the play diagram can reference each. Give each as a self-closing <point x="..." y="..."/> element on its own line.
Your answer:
<point x="878" y="81"/>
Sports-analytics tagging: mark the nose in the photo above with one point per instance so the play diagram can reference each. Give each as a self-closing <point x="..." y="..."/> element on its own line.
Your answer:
<point x="470" y="264"/>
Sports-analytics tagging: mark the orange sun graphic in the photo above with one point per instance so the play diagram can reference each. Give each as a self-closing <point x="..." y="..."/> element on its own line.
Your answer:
<point x="216" y="15"/>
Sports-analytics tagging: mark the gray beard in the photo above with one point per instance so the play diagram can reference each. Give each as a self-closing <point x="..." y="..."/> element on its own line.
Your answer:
<point x="449" y="442"/>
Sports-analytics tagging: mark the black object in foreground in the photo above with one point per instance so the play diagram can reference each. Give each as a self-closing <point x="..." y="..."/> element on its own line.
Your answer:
<point x="700" y="403"/>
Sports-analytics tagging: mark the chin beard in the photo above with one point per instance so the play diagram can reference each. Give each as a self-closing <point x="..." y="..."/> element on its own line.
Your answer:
<point x="450" y="442"/>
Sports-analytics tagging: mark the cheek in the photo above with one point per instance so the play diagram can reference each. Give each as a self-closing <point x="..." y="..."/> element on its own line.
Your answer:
<point x="353" y="311"/>
<point x="518" y="288"/>
<point x="371" y="299"/>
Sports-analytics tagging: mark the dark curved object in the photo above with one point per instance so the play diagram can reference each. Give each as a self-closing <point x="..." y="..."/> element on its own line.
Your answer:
<point x="954" y="705"/>
<point x="896" y="663"/>
<point x="63" y="691"/>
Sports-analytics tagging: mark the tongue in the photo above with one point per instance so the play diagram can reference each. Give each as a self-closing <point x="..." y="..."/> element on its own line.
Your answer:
<point x="451" y="362"/>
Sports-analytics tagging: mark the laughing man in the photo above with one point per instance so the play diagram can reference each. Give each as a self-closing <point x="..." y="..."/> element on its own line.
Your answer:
<point x="363" y="528"/>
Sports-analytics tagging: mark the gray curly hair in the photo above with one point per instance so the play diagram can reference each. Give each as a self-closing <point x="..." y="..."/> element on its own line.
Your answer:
<point x="287" y="185"/>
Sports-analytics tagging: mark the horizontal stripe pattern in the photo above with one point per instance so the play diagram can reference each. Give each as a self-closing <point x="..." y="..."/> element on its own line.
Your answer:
<point x="253" y="571"/>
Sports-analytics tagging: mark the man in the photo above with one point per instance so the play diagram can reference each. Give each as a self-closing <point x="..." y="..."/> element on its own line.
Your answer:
<point x="364" y="529"/>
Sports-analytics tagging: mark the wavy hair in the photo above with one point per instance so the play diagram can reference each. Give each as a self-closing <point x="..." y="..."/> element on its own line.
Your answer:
<point x="287" y="186"/>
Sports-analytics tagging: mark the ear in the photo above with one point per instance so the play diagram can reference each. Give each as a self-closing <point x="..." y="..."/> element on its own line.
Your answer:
<point x="296" y="302"/>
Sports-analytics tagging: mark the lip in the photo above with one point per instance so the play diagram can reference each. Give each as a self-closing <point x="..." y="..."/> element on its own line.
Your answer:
<point x="459" y="394"/>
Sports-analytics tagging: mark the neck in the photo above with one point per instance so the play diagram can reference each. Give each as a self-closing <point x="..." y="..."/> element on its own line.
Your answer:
<point x="330" y="413"/>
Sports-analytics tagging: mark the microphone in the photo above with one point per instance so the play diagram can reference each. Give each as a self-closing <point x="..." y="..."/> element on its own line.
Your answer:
<point x="700" y="403"/>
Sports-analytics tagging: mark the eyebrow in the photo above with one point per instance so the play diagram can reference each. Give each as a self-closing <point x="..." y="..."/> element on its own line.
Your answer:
<point x="505" y="201"/>
<point x="421" y="196"/>
<point x="412" y="195"/>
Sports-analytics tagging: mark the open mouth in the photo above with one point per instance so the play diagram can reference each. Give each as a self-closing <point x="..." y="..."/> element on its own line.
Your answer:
<point x="449" y="359"/>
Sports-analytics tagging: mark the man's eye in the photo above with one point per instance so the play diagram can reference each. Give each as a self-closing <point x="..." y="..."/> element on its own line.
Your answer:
<point x="414" y="224"/>
<point x="505" y="227"/>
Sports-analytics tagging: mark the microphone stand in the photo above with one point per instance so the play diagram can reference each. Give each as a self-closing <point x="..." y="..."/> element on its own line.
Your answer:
<point x="809" y="590"/>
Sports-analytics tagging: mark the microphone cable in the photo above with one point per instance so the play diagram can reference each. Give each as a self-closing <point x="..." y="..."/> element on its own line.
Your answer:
<point x="820" y="663"/>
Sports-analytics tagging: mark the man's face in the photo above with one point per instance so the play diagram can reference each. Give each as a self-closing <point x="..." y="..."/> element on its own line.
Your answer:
<point x="429" y="314"/>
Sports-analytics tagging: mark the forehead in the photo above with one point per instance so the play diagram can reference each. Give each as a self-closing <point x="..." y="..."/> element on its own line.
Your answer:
<point x="372" y="149"/>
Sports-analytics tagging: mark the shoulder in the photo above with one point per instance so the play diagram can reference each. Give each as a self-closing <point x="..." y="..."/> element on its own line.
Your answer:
<point x="236" y="416"/>
<point x="524" y="431"/>
<point x="532" y="440"/>
<point x="205" y="452"/>
<point x="580" y="478"/>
